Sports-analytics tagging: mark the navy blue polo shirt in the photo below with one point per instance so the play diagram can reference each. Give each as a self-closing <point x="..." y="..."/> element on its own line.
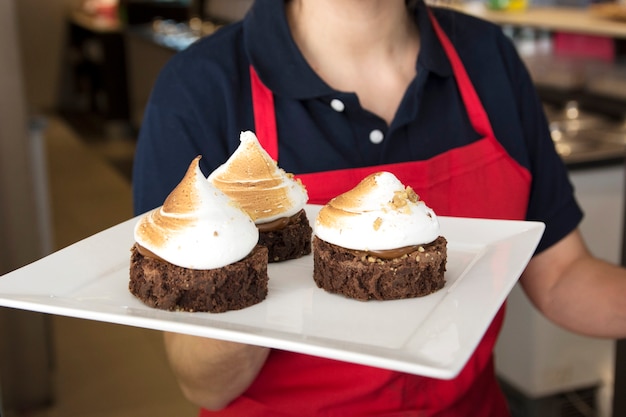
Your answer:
<point x="202" y="101"/>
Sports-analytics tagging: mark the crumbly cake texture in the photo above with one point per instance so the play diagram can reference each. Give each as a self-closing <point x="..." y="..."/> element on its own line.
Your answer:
<point x="162" y="285"/>
<point x="357" y="275"/>
<point x="290" y="242"/>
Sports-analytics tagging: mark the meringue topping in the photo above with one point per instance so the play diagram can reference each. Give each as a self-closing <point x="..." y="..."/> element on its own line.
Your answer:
<point x="198" y="226"/>
<point x="253" y="179"/>
<point x="380" y="213"/>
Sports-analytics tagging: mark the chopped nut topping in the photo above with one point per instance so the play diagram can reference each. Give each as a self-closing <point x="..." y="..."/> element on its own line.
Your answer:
<point x="411" y="195"/>
<point x="399" y="199"/>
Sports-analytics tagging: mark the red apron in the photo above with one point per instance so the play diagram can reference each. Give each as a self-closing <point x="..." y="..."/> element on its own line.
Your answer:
<point x="476" y="180"/>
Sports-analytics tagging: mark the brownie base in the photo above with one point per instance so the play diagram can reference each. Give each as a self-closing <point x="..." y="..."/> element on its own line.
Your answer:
<point x="162" y="285"/>
<point x="290" y="242"/>
<point x="360" y="276"/>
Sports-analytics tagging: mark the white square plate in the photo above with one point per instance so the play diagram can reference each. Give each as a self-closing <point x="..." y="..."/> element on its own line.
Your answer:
<point x="432" y="336"/>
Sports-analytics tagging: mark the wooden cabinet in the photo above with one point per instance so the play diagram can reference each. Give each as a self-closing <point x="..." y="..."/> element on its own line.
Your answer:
<point x="556" y="18"/>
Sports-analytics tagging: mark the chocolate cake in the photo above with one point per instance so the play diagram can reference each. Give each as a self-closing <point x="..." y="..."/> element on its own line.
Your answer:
<point x="362" y="276"/>
<point x="163" y="285"/>
<point x="286" y="241"/>
<point x="379" y="241"/>
<point x="199" y="251"/>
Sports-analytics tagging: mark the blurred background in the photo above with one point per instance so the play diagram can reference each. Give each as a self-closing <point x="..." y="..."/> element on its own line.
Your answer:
<point x="74" y="80"/>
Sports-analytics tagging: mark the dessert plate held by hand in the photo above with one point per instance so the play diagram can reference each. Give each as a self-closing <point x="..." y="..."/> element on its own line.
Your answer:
<point x="432" y="335"/>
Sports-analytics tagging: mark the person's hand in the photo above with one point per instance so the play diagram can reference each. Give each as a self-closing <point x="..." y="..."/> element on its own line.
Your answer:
<point x="212" y="373"/>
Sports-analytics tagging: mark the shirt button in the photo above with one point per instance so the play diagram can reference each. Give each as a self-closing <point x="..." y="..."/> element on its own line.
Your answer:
<point x="337" y="105"/>
<point x="376" y="136"/>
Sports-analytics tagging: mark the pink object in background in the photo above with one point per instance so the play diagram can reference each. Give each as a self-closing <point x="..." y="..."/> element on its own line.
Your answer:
<point x="584" y="46"/>
<point x="101" y="9"/>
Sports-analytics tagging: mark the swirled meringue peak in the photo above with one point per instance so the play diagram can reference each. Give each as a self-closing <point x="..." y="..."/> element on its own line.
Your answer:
<point x="198" y="226"/>
<point x="380" y="213"/>
<point x="253" y="179"/>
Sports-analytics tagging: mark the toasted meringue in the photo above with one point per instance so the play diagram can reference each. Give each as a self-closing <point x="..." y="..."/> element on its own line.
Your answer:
<point x="253" y="179"/>
<point x="380" y="213"/>
<point x="198" y="226"/>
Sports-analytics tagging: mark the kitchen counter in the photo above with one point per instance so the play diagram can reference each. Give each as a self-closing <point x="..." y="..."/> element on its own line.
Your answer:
<point x="174" y="38"/>
<point x="559" y="18"/>
<point x="172" y="35"/>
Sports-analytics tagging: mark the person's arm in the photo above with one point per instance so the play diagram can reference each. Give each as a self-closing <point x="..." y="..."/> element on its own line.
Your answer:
<point x="576" y="290"/>
<point x="212" y="373"/>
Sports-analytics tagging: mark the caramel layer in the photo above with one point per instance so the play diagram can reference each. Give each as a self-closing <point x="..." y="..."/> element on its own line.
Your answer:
<point x="277" y="224"/>
<point x="393" y="253"/>
<point x="147" y="253"/>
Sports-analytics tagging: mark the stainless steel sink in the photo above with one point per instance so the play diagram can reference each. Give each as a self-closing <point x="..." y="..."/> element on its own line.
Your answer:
<point x="571" y="118"/>
<point x="589" y="145"/>
<point x="581" y="136"/>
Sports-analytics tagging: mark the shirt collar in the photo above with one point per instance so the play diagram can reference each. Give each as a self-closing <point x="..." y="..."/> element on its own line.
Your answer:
<point x="282" y="68"/>
<point x="432" y="56"/>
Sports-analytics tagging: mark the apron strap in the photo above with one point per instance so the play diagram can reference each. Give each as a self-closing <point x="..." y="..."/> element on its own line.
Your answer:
<point x="474" y="107"/>
<point x="264" y="115"/>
